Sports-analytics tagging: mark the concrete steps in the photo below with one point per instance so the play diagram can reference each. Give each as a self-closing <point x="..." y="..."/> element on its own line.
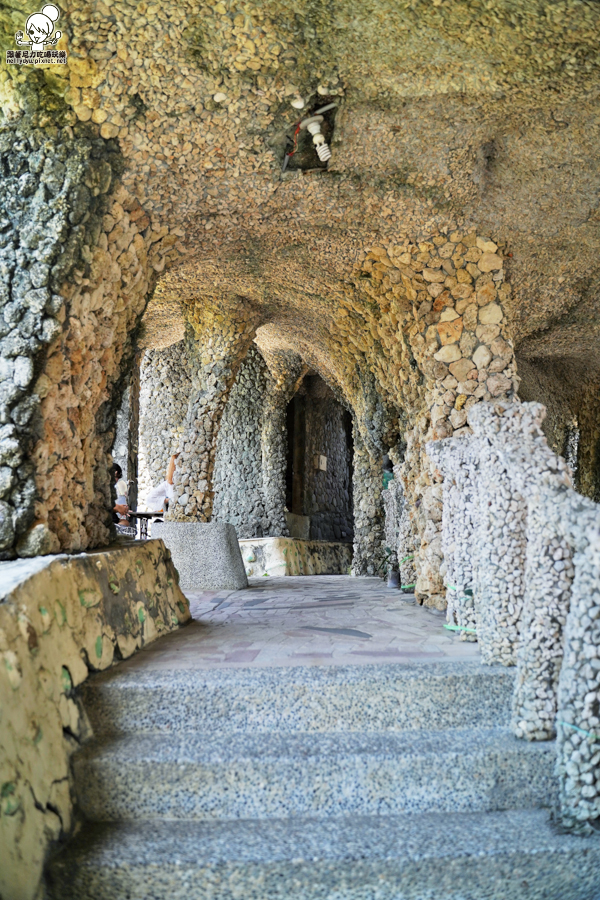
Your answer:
<point x="479" y="856"/>
<point x="395" y="697"/>
<point x="392" y="782"/>
<point x="201" y="776"/>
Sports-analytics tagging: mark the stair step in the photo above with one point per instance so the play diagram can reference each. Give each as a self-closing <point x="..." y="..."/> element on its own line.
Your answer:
<point x="512" y="855"/>
<point x="195" y="776"/>
<point x="300" y="699"/>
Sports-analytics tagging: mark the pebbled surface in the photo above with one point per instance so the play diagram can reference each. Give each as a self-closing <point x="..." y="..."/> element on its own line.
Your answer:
<point x="269" y="775"/>
<point x="511" y="855"/>
<point x="301" y="699"/>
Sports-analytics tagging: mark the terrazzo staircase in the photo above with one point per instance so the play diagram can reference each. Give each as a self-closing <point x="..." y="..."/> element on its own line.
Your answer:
<point x="332" y="783"/>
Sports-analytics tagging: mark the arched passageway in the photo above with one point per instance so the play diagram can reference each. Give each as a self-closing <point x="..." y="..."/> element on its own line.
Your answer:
<point x="177" y="238"/>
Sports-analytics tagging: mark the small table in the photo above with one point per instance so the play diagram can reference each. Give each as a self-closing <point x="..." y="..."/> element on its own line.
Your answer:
<point x="144" y="518"/>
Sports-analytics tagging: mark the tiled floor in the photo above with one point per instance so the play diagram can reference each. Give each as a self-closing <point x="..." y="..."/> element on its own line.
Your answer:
<point x="300" y="621"/>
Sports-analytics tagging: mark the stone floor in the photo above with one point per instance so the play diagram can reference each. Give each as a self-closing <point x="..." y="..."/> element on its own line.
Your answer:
<point x="303" y="621"/>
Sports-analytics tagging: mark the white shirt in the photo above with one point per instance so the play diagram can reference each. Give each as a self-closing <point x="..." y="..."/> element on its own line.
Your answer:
<point x="156" y="497"/>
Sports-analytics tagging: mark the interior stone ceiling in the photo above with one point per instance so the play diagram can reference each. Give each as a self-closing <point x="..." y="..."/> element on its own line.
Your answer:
<point x="450" y="114"/>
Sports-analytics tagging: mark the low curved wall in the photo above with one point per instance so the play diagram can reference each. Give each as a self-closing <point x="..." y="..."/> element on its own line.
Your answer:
<point x="62" y="618"/>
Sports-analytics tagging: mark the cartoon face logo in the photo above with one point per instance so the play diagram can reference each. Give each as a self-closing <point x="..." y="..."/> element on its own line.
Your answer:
<point x="39" y="27"/>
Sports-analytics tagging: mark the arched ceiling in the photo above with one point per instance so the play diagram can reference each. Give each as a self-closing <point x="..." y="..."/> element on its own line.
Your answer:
<point x="450" y="113"/>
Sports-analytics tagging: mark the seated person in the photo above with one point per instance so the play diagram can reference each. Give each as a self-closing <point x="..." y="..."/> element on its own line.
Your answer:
<point x="121" y="507"/>
<point x="158" y="497"/>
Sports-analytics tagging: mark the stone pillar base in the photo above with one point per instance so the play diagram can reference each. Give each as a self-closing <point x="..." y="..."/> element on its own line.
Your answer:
<point x="206" y="554"/>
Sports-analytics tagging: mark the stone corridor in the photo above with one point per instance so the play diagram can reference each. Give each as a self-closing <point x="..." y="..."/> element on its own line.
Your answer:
<point x="313" y="286"/>
<point x="303" y="621"/>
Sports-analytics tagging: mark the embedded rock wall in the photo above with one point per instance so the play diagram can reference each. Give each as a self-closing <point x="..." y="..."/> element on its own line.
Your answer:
<point x="62" y="618"/>
<point x="79" y="258"/>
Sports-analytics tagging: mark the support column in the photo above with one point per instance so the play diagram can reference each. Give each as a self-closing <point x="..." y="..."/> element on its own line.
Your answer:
<point x="369" y="513"/>
<point x="502" y="540"/>
<point x="125" y="448"/>
<point x="219" y="348"/>
<point x="133" y="434"/>
<point x="165" y="385"/>
<point x="287" y="370"/>
<point x="541" y="477"/>
<point x="578" y="713"/>
<point x="239" y="495"/>
<point x="458" y="459"/>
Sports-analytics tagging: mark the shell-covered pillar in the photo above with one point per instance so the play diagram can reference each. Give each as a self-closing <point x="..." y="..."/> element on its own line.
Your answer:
<point x="287" y="370"/>
<point x="457" y="459"/>
<point x="239" y="495"/>
<point x="220" y="344"/>
<point x="370" y="556"/>
<point x="578" y="707"/>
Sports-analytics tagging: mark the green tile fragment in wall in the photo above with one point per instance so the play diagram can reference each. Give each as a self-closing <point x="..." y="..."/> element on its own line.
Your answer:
<point x="60" y="612"/>
<point x="65" y="680"/>
<point x="46" y="618"/>
<point x="114" y="586"/>
<point x="139" y="567"/>
<point x="89" y="597"/>
<point x="99" y="646"/>
<point x="174" y="619"/>
<point x="10" y="805"/>
<point x="141" y="615"/>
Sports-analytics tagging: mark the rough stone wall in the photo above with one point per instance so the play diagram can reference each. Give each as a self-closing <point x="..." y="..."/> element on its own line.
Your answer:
<point x="61" y="620"/>
<point x="588" y="457"/>
<point x="165" y="384"/>
<point x="370" y="557"/>
<point x="238" y="475"/>
<point x="54" y="191"/>
<point x="328" y="494"/>
<point x="570" y="390"/>
<point x="76" y="250"/>
<point x="445" y="299"/>
<point x="120" y="450"/>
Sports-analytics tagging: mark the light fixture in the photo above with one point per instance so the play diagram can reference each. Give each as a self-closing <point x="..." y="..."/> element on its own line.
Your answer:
<point x="313" y="126"/>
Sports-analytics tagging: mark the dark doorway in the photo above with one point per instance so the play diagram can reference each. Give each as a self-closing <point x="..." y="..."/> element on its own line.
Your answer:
<point x="296" y="434"/>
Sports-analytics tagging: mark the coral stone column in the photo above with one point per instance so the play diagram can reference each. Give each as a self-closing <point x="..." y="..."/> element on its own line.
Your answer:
<point x="221" y="344"/>
<point x="542" y="478"/>
<point x="578" y="713"/>
<point x="239" y="497"/>
<point x="458" y="458"/>
<point x="287" y="370"/>
<point x="369" y="512"/>
<point x="502" y="540"/>
<point x="165" y="385"/>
